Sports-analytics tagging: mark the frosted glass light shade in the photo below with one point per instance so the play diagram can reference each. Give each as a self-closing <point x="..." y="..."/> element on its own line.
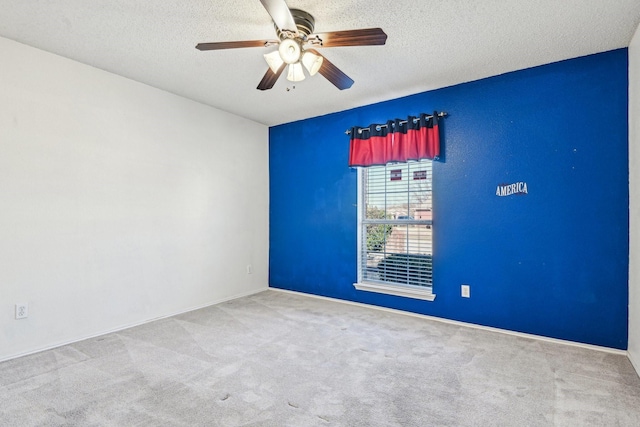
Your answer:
<point x="289" y="51"/>
<point x="312" y="62"/>
<point x="296" y="73"/>
<point x="274" y="60"/>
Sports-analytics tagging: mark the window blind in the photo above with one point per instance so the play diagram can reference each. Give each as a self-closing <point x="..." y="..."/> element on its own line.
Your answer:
<point x="397" y="224"/>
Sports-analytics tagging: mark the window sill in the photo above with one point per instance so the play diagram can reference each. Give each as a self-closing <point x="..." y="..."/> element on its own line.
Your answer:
<point x="401" y="291"/>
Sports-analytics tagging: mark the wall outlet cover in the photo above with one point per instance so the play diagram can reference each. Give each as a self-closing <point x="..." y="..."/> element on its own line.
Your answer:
<point x="465" y="291"/>
<point x="22" y="310"/>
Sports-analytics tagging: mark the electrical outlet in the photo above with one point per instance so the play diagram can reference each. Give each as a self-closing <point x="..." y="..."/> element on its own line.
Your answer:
<point x="22" y="310"/>
<point x="249" y="269"/>
<point x="465" y="291"/>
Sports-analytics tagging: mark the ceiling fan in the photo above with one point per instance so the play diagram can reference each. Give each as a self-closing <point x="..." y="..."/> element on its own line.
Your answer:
<point x="296" y="43"/>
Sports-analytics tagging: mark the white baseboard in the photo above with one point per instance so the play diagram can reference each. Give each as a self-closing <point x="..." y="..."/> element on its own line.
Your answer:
<point x="131" y="325"/>
<point x="469" y="325"/>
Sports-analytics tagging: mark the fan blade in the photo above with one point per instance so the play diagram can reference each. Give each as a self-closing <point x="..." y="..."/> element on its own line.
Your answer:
<point x="280" y="14"/>
<point x="270" y="78"/>
<point x="363" y="37"/>
<point x="234" y="45"/>
<point x="333" y="73"/>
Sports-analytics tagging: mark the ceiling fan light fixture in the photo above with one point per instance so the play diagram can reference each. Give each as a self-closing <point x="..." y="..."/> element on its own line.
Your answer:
<point x="295" y="73"/>
<point x="290" y="51"/>
<point x="273" y="60"/>
<point x="312" y="62"/>
<point x="295" y="30"/>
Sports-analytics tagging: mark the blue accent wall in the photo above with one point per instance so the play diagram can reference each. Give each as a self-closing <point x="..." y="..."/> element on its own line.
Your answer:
<point x="553" y="262"/>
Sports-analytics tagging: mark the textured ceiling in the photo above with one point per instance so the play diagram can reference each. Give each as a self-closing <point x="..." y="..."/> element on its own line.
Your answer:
<point x="431" y="44"/>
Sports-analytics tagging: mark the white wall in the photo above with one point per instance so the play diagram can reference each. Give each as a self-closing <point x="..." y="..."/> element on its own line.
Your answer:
<point x="634" y="200"/>
<point x="119" y="203"/>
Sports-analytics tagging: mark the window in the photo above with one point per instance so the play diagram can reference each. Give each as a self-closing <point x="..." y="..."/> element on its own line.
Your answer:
<point x="395" y="229"/>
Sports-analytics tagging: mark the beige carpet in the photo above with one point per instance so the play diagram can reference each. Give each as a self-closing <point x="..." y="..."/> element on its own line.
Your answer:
<point x="279" y="359"/>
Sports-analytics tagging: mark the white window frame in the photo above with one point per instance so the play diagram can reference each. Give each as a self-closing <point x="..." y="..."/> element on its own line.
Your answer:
<point x="407" y="291"/>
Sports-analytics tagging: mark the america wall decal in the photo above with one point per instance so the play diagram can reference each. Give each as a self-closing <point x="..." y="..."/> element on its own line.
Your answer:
<point x="519" y="188"/>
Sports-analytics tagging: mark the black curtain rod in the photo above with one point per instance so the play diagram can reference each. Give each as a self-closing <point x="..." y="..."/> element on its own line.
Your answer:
<point x="378" y="127"/>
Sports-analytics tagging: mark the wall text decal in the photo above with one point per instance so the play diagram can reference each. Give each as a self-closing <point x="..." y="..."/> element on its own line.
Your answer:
<point x="510" y="189"/>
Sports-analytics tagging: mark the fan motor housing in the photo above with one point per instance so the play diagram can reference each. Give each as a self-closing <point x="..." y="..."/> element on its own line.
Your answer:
<point x="304" y="23"/>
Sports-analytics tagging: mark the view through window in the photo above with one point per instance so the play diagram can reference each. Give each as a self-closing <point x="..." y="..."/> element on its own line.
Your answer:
<point x="396" y="220"/>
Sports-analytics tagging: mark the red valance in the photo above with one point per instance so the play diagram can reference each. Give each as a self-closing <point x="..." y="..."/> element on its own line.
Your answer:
<point x="398" y="140"/>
